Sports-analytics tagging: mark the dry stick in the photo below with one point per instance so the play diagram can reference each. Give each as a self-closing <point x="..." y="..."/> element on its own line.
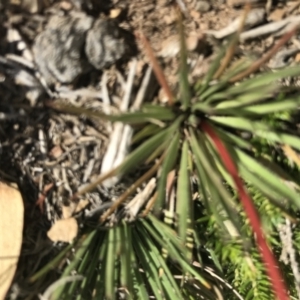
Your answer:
<point x="134" y="206"/>
<point x="182" y="7"/>
<point x="142" y="90"/>
<point x="126" y="131"/>
<point x="55" y="285"/>
<point x="231" y="49"/>
<point x="76" y="110"/>
<point x="94" y="184"/>
<point x="265" y="58"/>
<point x="149" y="205"/>
<point x="121" y="135"/>
<point x="105" y="95"/>
<point x="274" y="27"/>
<point x="170" y="185"/>
<point x="156" y="68"/>
<point x="132" y="188"/>
<point x="41" y="200"/>
<point x="292" y="255"/>
<point x="129" y="86"/>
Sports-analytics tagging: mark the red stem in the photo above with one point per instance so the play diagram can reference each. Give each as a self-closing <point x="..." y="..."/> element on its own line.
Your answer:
<point x="270" y="262"/>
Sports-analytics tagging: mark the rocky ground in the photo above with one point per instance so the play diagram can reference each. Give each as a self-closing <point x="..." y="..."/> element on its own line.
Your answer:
<point x="90" y="54"/>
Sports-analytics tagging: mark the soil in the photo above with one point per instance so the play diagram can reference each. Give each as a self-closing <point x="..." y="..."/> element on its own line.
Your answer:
<point x="52" y="155"/>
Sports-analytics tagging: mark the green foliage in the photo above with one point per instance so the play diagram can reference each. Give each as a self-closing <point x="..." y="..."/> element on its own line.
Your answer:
<point x="207" y="246"/>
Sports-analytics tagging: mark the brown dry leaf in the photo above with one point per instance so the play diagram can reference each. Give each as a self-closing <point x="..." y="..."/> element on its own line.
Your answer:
<point x="65" y="5"/>
<point x="56" y="151"/>
<point x="277" y="14"/>
<point x="171" y="46"/>
<point x="291" y="154"/>
<point x="114" y="13"/>
<point x="11" y="233"/>
<point x="83" y="203"/>
<point x="242" y="2"/>
<point x="69" y="210"/>
<point x="63" y="230"/>
<point x="297" y="58"/>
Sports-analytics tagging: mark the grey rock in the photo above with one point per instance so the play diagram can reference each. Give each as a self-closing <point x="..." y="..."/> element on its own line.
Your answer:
<point x="72" y="45"/>
<point x="203" y="6"/>
<point x="58" y="49"/>
<point x="104" y="45"/>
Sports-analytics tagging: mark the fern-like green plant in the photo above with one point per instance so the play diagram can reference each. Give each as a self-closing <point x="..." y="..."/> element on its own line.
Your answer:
<point x="202" y="245"/>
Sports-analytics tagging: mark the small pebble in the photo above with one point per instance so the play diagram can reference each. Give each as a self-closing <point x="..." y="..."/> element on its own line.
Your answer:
<point x="202" y="6"/>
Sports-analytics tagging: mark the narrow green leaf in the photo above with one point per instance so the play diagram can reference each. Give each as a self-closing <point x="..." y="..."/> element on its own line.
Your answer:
<point x="80" y="251"/>
<point x="156" y="109"/>
<point x="211" y="90"/>
<point x="214" y="66"/>
<point x="110" y="265"/>
<point x="100" y="287"/>
<point x="147" y="264"/>
<point x="140" y="291"/>
<point x="236" y="68"/>
<point x="232" y="139"/>
<point x="166" y="276"/>
<point x="276" y="168"/>
<point x="218" y="163"/>
<point x="259" y="129"/>
<point x="165" y="232"/>
<point x="101" y="270"/>
<point x="217" y="187"/>
<point x="147" y="112"/>
<point x="213" y="200"/>
<point x="170" y="247"/>
<point x="142" y="117"/>
<point x="241" y="123"/>
<point x="88" y="269"/>
<point x="272" y="180"/>
<point x="242" y="100"/>
<point x="158" y="151"/>
<point x="226" y="95"/>
<point x="273" y="107"/>
<point x="203" y="191"/>
<point x="184" y="197"/>
<point x="215" y="259"/>
<point x="281" y="138"/>
<point x="203" y="107"/>
<point x="146" y="131"/>
<point x="52" y="264"/>
<point x="167" y="166"/>
<point x="125" y="259"/>
<point x="262" y="186"/>
<point x="263" y="80"/>
<point x="139" y="155"/>
<point x="89" y="255"/>
<point x="183" y="71"/>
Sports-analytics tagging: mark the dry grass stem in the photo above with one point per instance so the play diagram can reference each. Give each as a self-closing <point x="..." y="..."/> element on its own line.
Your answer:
<point x="121" y="136"/>
<point x="134" y="206"/>
<point x="256" y="65"/>
<point x="231" y="48"/>
<point x="94" y="184"/>
<point x="278" y="27"/>
<point x="132" y="188"/>
<point x="157" y="69"/>
<point x="149" y="205"/>
<point x="142" y="90"/>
